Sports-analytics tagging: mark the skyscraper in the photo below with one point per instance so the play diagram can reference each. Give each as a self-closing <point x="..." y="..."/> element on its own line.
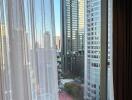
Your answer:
<point x="72" y="14"/>
<point x="93" y="49"/>
<point x="58" y="43"/>
<point x="46" y="82"/>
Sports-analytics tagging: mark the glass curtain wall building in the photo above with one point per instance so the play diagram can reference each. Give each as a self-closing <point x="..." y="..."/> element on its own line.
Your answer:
<point x="69" y="28"/>
<point x="93" y="49"/>
<point x="28" y="69"/>
<point x="72" y="21"/>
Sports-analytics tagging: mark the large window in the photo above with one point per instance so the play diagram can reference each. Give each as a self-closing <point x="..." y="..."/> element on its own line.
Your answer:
<point x="28" y="69"/>
<point x="38" y="64"/>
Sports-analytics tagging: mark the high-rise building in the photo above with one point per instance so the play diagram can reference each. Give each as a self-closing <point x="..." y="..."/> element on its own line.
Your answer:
<point x="46" y="83"/>
<point x="93" y="49"/>
<point x="72" y="19"/>
<point x="69" y="25"/>
<point x="81" y="25"/>
<point x="58" y="43"/>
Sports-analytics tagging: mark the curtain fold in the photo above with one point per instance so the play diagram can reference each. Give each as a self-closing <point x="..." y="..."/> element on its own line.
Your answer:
<point x="28" y="69"/>
<point x="122" y="49"/>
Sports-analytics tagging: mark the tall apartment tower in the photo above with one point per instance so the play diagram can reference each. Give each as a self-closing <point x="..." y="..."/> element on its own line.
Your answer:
<point x="93" y="48"/>
<point x="72" y="25"/>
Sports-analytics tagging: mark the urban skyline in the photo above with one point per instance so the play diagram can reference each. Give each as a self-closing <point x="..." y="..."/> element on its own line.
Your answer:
<point x="47" y="65"/>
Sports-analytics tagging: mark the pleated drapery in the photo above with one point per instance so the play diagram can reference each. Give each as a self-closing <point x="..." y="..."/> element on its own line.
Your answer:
<point x="28" y="69"/>
<point x="122" y="49"/>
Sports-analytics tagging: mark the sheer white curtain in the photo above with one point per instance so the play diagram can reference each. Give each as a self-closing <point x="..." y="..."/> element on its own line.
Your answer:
<point x="28" y="69"/>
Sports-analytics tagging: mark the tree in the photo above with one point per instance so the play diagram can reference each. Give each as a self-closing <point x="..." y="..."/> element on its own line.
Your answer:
<point x="75" y="90"/>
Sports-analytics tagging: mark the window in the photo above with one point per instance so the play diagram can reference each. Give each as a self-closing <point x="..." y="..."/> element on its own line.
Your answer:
<point x="28" y="69"/>
<point x="36" y="64"/>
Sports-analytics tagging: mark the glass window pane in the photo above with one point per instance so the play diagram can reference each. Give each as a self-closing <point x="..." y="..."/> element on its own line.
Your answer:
<point x="28" y="68"/>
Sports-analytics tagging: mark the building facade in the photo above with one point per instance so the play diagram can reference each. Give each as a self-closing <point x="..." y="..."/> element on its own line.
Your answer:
<point x="72" y="25"/>
<point x="58" y="43"/>
<point x="93" y="49"/>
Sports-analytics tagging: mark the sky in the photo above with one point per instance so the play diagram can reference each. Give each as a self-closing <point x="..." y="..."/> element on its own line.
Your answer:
<point x="57" y="16"/>
<point x="38" y="15"/>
